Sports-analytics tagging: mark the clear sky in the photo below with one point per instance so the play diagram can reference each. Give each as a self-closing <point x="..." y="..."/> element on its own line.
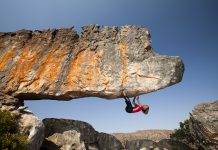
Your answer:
<point x="185" y="28"/>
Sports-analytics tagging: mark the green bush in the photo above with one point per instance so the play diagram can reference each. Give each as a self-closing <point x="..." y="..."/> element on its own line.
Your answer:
<point x="183" y="134"/>
<point x="10" y="138"/>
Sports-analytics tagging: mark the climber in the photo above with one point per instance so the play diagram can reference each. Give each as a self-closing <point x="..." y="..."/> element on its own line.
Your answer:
<point x="137" y="107"/>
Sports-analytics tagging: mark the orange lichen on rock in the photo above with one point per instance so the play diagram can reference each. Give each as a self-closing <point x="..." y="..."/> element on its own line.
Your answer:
<point x="49" y="70"/>
<point x="6" y="58"/>
<point x="56" y="64"/>
<point x="73" y="78"/>
<point x="84" y="71"/>
<point x="123" y="49"/>
<point x="23" y="66"/>
<point x="92" y="71"/>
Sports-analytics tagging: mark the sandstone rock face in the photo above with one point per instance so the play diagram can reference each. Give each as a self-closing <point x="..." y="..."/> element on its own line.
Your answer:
<point x="76" y="135"/>
<point x="102" y="61"/>
<point x="28" y="123"/>
<point x="204" y="125"/>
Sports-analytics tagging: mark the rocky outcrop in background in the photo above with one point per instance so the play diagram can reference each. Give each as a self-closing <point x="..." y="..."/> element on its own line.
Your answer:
<point x="102" y="61"/>
<point x="204" y="125"/>
<point x="76" y="135"/>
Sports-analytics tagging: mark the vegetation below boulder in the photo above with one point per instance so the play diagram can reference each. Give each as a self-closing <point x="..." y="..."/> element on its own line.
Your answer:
<point x="10" y="138"/>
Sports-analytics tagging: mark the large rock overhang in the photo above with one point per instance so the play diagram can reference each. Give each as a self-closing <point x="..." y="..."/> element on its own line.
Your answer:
<point x="101" y="62"/>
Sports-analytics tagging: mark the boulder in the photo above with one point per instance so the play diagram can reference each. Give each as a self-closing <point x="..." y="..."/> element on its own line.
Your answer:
<point x="204" y="125"/>
<point x="76" y="135"/>
<point x="140" y="144"/>
<point x="101" y="62"/>
<point x="86" y="131"/>
<point x="108" y="142"/>
<point x="66" y="140"/>
<point x="173" y="145"/>
<point x="28" y="123"/>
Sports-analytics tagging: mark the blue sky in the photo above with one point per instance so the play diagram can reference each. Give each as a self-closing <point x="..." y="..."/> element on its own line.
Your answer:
<point x="185" y="28"/>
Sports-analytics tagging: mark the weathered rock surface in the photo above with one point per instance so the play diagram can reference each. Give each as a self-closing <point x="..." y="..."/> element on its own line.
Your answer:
<point x="66" y="140"/>
<point x="76" y="135"/>
<point x="28" y="123"/>
<point x="204" y="125"/>
<point x="170" y="144"/>
<point x="140" y="144"/>
<point x="60" y="64"/>
<point x="108" y="142"/>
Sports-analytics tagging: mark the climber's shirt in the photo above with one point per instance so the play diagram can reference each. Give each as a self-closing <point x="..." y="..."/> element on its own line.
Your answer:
<point x="137" y="108"/>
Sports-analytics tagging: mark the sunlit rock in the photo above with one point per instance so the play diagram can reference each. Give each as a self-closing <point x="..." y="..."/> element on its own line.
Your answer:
<point x="102" y="61"/>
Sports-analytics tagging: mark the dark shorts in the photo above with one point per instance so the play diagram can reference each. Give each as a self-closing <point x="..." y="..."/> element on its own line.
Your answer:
<point x="129" y="107"/>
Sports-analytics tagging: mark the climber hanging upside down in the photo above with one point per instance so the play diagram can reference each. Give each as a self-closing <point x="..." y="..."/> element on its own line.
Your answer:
<point x="137" y="107"/>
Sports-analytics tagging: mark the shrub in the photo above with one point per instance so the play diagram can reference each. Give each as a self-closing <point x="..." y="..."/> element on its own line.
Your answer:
<point x="183" y="134"/>
<point x="10" y="138"/>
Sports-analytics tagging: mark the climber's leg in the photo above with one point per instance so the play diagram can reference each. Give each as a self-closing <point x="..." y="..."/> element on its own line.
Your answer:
<point x="129" y="107"/>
